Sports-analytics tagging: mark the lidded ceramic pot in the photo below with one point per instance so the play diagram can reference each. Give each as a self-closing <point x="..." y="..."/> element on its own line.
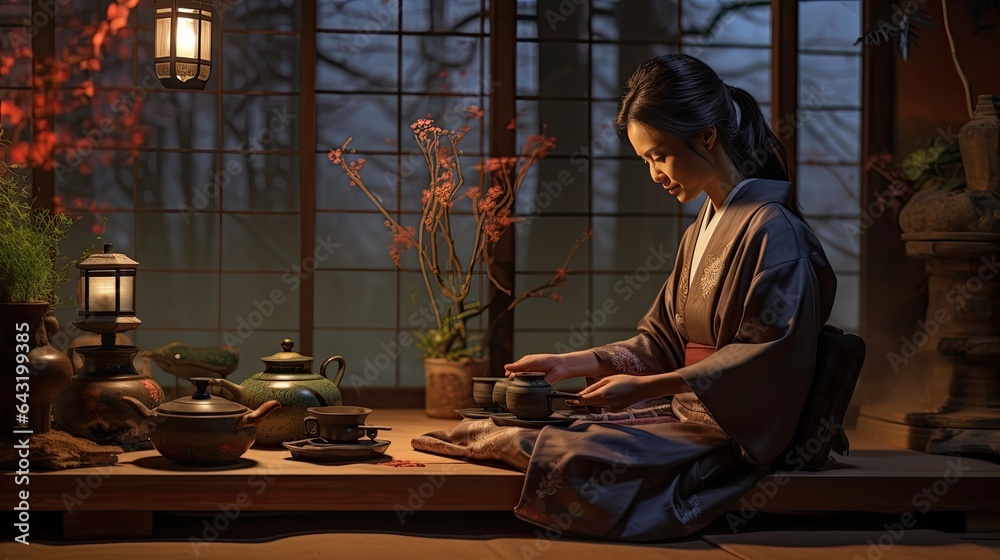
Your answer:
<point x="528" y="396"/>
<point x="287" y="379"/>
<point x="201" y="429"/>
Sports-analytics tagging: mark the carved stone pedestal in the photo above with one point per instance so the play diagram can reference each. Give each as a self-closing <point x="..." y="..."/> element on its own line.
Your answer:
<point x="957" y="346"/>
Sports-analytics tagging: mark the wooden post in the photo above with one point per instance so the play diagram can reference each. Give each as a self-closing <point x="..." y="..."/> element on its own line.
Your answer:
<point x="503" y="109"/>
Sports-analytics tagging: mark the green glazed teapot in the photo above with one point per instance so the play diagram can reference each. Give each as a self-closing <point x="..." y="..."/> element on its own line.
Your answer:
<point x="287" y="379"/>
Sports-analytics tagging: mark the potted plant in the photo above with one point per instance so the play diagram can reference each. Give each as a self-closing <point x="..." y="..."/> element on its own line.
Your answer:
<point x="452" y="353"/>
<point x="31" y="274"/>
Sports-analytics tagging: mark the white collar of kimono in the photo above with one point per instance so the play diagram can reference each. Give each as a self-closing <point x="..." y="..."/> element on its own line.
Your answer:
<point x="708" y="225"/>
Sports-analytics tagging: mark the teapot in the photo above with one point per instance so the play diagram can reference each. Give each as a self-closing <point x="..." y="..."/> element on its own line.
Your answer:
<point x="287" y="379"/>
<point x="201" y="430"/>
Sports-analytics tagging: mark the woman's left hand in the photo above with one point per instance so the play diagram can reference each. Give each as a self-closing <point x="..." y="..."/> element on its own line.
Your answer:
<point x="616" y="392"/>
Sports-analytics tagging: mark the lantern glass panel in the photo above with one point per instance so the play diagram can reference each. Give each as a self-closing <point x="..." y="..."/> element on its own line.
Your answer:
<point x="162" y="37"/>
<point x="187" y="37"/>
<point x="101" y="296"/>
<point x="206" y="40"/>
<point x="127" y="295"/>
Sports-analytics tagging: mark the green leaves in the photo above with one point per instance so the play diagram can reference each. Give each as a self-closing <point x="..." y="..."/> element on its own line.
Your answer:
<point x="31" y="269"/>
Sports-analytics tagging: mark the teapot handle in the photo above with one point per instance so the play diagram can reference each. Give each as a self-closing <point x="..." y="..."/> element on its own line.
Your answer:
<point x="340" y="370"/>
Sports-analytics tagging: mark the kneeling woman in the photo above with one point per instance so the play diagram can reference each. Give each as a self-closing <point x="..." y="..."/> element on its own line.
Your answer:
<point x="730" y="340"/>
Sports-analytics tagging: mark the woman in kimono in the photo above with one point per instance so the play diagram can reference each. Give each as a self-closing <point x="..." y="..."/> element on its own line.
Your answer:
<point x="713" y="384"/>
<point x="730" y="339"/>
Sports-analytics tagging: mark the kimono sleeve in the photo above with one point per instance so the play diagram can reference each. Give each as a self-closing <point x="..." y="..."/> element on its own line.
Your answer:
<point x="658" y="347"/>
<point x="756" y="385"/>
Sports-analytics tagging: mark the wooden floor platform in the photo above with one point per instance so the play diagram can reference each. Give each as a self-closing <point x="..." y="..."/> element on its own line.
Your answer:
<point x="872" y="479"/>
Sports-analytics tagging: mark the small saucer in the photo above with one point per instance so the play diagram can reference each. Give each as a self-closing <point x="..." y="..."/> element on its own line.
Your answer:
<point x="319" y="450"/>
<point x="512" y="420"/>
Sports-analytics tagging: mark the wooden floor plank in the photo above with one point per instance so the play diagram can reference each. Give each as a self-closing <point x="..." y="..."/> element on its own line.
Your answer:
<point x="373" y="546"/>
<point x="841" y="545"/>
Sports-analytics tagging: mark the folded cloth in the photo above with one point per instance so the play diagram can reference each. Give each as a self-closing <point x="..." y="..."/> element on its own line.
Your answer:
<point x="485" y="441"/>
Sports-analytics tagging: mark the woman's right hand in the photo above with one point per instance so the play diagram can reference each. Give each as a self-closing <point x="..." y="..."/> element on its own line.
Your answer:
<point x="556" y="367"/>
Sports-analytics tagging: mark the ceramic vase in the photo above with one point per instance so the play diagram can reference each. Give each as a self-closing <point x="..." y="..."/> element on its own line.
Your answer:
<point x="979" y="140"/>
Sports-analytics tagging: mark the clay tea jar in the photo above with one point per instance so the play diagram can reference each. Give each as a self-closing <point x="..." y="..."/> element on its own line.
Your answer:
<point x="528" y="396"/>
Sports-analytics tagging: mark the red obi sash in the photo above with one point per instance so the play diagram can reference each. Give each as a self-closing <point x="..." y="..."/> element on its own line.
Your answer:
<point x="695" y="352"/>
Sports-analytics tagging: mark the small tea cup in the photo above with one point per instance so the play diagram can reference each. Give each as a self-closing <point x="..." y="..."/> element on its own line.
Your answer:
<point x="339" y="423"/>
<point x="482" y="392"/>
<point x="500" y="394"/>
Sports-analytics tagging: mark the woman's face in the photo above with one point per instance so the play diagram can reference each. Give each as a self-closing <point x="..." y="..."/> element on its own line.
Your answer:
<point x="681" y="171"/>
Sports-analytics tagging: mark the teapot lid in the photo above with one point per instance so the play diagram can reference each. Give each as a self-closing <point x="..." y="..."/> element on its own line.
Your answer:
<point x="201" y="403"/>
<point x="288" y="360"/>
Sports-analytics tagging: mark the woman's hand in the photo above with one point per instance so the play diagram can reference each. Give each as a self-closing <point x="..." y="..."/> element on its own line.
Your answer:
<point x="556" y="367"/>
<point x="617" y="392"/>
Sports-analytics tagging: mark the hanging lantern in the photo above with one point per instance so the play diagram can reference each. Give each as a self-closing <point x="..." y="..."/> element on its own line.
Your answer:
<point x="183" y="44"/>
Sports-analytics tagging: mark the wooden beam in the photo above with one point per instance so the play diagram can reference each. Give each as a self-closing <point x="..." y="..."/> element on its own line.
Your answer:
<point x="503" y="108"/>
<point x="888" y="279"/>
<point x="307" y="168"/>
<point x="43" y="50"/>
<point x="785" y="76"/>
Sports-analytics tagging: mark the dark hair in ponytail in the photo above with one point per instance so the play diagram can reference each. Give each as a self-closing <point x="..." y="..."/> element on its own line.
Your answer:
<point x="682" y="96"/>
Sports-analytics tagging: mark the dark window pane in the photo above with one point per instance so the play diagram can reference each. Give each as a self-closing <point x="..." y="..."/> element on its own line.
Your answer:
<point x="273" y="15"/>
<point x="260" y="122"/>
<point x="445" y="64"/>
<point x="261" y="62"/>
<point x="369" y="16"/>
<point x="357" y="62"/>
<point x="175" y="119"/>
<point x="830" y="25"/>
<point x="188" y="182"/>
<point x="264" y="182"/>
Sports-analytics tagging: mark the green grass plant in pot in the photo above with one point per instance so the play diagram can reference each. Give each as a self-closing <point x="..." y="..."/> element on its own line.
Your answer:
<point x="31" y="273"/>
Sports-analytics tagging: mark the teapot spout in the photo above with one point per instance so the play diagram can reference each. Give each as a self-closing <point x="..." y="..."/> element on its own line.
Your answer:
<point x="142" y="409"/>
<point x="235" y="391"/>
<point x="251" y="418"/>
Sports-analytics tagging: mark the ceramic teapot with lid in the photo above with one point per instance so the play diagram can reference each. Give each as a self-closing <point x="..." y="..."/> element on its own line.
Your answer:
<point x="287" y="379"/>
<point x="201" y="429"/>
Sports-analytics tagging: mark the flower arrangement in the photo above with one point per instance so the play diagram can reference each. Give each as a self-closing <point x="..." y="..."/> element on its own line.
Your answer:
<point x="448" y="273"/>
